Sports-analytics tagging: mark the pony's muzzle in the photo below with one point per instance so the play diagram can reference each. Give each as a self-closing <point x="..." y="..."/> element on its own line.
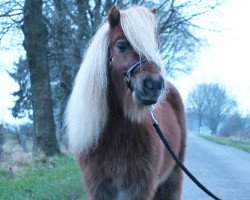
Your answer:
<point x="150" y="90"/>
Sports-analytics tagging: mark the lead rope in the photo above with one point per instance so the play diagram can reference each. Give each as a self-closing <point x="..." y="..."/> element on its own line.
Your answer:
<point x="127" y="75"/>
<point x="179" y="163"/>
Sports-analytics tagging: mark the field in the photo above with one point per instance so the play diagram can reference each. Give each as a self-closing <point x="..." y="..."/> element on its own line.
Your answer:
<point x="55" y="178"/>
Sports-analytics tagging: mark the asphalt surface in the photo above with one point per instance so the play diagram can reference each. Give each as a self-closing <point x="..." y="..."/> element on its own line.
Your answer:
<point x="223" y="170"/>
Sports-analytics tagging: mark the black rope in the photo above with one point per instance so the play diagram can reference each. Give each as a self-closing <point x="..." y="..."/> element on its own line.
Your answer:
<point x="179" y="163"/>
<point x="159" y="132"/>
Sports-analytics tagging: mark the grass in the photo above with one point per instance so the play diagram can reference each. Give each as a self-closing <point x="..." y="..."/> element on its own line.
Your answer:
<point x="245" y="146"/>
<point x="59" y="179"/>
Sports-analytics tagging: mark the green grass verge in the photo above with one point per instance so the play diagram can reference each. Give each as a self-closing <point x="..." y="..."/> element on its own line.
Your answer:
<point x="60" y="181"/>
<point x="245" y="146"/>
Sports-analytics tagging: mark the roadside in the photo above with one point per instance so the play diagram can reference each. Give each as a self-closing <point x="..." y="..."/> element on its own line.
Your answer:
<point x="233" y="142"/>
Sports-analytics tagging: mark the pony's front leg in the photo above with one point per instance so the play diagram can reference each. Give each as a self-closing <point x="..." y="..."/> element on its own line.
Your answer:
<point x="101" y="190"/>
<point x="172" y="188"/>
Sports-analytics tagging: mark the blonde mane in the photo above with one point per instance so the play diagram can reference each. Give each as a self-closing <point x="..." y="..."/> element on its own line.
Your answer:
<point x="87" y="111"/>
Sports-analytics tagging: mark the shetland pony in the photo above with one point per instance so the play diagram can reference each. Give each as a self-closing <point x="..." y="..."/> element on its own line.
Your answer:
<point x="109" y="129"/>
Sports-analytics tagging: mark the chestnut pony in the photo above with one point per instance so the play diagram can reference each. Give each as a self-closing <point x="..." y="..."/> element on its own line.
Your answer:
<point x="109" y="129"/>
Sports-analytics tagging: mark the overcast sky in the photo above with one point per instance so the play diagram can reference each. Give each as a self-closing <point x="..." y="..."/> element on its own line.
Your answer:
<point x="226" y="60"/>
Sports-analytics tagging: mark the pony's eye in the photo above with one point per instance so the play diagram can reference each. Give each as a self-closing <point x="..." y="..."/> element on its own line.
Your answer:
<point x="122" y="46"/>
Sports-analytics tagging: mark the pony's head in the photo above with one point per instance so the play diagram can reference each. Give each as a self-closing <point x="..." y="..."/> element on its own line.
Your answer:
<point x="133" y="53"/>
<point x="129" y="37"/>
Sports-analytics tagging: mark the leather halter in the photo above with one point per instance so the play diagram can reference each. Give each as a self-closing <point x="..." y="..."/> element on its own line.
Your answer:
<point x="131" y="69"/>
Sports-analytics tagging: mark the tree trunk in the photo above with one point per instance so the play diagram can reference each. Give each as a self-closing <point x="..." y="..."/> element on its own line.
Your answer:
<point x="83" y="28"/>
<point x="21" y="140"/>
<point x="36" y="46"/>
<point x="65" y="76"/>
<point x="214" y="130"/>
<point x="200" y="124"/>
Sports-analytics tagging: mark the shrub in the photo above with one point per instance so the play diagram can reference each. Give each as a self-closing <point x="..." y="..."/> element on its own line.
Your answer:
<point x="234" y="125"/>
<point x="21" y="158"/>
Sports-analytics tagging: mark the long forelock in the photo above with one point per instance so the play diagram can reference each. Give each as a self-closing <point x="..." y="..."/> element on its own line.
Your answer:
<point x="140" y="28"/>
<point x="87" y="110"/>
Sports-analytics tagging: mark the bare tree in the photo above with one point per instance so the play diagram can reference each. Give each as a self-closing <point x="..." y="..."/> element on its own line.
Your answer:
<point x="36" y="43"/>
<point x="10" y="16"/>
<point x="196" y="104"/>
<point x="218" y="106"/>
<point x="211" y="103"/>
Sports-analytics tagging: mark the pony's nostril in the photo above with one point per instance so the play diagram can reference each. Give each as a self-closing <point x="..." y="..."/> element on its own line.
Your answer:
<point x="151" y="84"/>
<point x="148" y="84"/>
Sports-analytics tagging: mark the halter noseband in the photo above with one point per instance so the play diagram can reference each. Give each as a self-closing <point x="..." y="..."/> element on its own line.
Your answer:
<point x="131" y="69"/>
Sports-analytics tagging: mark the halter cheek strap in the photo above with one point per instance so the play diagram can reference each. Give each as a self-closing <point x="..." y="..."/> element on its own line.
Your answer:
<point x="131" y="69"/>
<point x="110" y="55"/>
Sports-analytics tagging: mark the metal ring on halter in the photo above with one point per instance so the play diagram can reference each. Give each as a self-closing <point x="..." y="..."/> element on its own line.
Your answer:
<point x="110" y="56"/>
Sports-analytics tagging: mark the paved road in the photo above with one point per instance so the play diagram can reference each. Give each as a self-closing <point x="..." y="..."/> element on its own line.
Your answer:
<point x="224" y="170"/>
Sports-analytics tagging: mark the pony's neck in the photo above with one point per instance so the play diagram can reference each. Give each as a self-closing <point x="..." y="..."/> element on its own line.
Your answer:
<point x="114" y="105"/>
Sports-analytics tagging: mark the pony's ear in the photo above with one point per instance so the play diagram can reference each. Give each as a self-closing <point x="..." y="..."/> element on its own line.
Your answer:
<point x="114" y="17"/>
<point x="154" y="11"/>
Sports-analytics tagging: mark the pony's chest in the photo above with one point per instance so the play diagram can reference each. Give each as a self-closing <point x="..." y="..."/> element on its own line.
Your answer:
<point x="124" y="152"/>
